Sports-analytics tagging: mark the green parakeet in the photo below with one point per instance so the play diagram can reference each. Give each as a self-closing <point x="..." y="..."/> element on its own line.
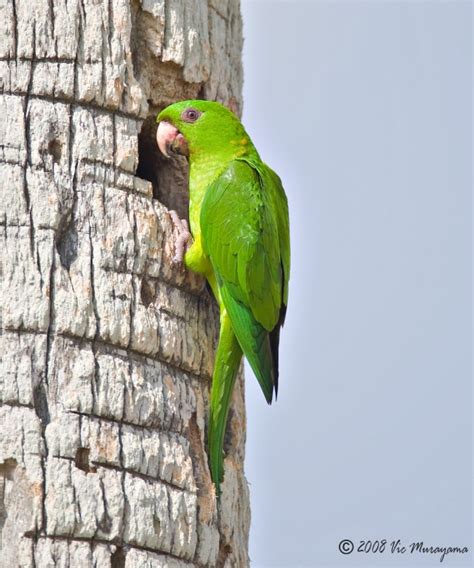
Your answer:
<point x="238" y="216"/>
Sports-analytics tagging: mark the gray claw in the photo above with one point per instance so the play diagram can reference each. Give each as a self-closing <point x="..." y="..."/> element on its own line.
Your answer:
<point x="184" y="240"/>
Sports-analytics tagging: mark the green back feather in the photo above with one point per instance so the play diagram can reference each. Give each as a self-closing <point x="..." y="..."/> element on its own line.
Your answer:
<point x="241" y="235"/>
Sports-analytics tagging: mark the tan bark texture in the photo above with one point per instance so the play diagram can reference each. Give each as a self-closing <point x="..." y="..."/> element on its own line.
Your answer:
<point x="107" y="347"/>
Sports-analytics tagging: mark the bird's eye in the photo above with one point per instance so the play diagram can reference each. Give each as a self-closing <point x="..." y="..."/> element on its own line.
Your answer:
<point x="190" y="115"/>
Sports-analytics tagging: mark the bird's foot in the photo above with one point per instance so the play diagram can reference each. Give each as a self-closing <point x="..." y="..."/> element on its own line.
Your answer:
<point x="184" y="240"/>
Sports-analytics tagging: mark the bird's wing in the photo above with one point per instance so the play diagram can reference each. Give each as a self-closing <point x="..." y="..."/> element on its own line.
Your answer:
<point x="239" y="227"/>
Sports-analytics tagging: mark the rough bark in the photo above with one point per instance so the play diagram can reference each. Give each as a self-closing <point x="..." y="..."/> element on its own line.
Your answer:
<point x="107" y="348"/>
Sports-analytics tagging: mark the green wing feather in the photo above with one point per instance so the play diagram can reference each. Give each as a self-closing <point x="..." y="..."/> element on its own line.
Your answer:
<point x="245" y="234"/>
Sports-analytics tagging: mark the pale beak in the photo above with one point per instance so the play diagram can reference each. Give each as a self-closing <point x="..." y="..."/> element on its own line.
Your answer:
<point x="170" y="138"/>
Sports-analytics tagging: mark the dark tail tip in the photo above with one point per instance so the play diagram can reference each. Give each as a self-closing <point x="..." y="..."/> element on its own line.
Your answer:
<point x="274" y="343"/>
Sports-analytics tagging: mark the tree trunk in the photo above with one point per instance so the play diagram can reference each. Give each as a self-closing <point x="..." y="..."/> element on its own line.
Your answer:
<point x="107" y="347"/>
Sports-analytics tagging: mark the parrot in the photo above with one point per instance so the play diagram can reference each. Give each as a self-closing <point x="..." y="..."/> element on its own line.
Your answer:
<point x="238" y="238"/>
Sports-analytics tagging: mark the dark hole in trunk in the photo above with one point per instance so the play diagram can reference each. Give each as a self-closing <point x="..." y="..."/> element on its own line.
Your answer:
<point x="169" y="176"/>
<point x="82" y="460"/>
<point x="118" y="558"/>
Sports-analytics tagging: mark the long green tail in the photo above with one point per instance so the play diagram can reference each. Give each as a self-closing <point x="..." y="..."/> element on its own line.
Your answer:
<point x="228" y="357"/>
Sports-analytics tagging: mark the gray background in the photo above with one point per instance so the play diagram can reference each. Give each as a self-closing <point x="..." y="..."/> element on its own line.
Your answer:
<point x="364" y="109"/>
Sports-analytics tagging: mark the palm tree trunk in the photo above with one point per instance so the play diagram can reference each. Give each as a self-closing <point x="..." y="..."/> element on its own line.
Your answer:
<point x="107" y="347"/>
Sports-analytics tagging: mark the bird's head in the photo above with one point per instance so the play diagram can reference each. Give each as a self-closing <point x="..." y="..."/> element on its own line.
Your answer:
<point x="197" y="127"/>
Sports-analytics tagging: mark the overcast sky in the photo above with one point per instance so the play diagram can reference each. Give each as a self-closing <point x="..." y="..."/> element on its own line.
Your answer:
<point x="364" y="109"/>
